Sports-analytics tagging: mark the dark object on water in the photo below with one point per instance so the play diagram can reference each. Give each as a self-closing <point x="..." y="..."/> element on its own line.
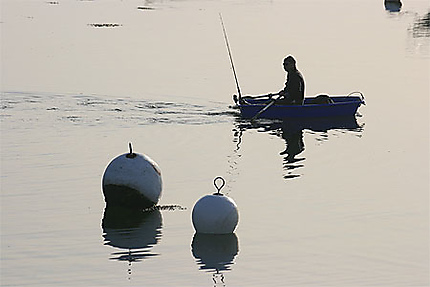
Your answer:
<point x="145" y="8"/>
<point x="393" y="5"/>
<point x="312" y="108"/>
<point x="105" y="25"/>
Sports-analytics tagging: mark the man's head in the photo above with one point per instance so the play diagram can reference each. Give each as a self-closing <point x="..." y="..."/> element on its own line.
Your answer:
<point x="289" y="63"/>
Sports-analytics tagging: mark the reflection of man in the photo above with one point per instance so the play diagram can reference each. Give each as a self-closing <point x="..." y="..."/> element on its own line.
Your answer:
<point x="294" y="91"/>
<point x="293" y="136"/>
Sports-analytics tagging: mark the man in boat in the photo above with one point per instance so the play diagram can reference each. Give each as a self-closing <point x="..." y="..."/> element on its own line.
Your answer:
<point x="294" y="90"/>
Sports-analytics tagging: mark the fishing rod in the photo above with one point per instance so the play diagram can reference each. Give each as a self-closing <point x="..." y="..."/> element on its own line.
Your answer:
<point x="231" y="59"/>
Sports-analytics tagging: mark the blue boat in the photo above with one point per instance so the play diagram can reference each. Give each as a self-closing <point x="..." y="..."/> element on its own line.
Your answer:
<point x="313" y="107"/>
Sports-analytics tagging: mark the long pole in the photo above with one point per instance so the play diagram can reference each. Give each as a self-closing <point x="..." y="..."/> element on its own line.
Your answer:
<point x="231" y="59"/>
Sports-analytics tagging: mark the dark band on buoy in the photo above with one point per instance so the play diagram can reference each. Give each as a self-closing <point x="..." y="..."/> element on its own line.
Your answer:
<point x="119" y="195"/>
<point x="131" y="154"/>
<point x="218" y="188"/>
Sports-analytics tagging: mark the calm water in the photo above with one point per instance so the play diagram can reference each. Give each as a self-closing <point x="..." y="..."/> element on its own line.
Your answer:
<point x="81" y="79"/>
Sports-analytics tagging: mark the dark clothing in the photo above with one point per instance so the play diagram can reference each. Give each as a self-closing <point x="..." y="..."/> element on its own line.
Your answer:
<point x="294" y="91"/>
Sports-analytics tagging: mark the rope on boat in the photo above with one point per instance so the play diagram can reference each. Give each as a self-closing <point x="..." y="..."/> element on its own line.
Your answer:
<point x="356" y="92"/>
<point x="360" y="94"/>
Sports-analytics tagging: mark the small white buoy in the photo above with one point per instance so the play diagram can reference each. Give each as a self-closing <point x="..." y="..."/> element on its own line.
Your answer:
<point x="132" y="180"/>
<point x="215" y="213"/>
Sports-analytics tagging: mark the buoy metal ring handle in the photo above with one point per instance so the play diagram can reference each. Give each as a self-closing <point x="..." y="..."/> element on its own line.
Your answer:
<point x="219" y="187"/>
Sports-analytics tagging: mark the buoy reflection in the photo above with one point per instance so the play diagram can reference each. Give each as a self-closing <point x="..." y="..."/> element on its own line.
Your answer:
<point x="134" y="231"/>
<point x="215" y="253"/>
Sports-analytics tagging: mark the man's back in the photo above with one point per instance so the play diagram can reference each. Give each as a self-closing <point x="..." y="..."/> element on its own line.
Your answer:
<point x="295" y="87"/>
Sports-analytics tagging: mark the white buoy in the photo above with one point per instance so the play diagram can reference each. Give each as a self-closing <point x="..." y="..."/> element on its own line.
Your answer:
<point x="132" y="180"/>
<point x="215" y="213"/>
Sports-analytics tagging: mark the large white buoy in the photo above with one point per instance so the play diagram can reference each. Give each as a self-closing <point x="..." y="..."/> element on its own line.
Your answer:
<point x="215" y="213"/>
<point x="132" y="180"/>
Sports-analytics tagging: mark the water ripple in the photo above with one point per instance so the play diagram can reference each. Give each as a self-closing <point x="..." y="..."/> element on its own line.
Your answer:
<point x="90" y="109"/>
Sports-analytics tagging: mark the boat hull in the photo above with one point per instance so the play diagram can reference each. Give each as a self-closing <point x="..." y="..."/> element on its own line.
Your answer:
<point x="341" y="106"/>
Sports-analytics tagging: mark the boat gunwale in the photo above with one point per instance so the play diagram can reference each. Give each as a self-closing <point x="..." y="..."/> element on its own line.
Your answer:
<point x="356" y="100"/>
<point x="342" y="106"/>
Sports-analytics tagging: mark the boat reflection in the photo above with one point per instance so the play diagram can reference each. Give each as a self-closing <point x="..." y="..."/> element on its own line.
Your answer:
<point x="135" y="232"/>
<point x="215" y="253"/>
<point x="292" y="131"/>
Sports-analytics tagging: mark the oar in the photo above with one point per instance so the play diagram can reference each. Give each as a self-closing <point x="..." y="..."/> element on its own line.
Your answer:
<point x="265" y="108"/>
<point x="244" y="98"/>
<point x="269" y="96"/>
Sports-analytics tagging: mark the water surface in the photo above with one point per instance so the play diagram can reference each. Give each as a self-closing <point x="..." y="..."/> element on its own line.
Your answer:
<point x="81" y="79"/>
